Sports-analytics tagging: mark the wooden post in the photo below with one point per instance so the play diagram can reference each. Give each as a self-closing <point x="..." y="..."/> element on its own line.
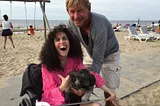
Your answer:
<point x="45" y="20"/>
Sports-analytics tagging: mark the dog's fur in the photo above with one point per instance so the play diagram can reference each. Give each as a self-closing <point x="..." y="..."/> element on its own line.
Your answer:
<point x="82" y="80"/>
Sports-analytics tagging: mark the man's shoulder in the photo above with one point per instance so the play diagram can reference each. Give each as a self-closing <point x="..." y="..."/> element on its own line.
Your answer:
<point x="99" y="22"/>
<point x="70" y="24"/>
<point x="99" y="19"/>
<point x="98" y="16"/>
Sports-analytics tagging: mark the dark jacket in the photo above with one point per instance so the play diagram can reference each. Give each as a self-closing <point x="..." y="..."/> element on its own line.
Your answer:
<point x="32" y="81"/>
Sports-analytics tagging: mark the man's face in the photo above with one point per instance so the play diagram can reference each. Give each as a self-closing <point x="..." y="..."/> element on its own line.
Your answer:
<point x="79" y="15"/>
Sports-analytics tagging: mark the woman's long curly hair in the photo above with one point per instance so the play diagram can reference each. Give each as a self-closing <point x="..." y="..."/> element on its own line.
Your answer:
<point x="49" y="55"/>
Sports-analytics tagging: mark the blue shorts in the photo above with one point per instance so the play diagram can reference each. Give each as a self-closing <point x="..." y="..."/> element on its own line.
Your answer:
<point x="7" y="32"/>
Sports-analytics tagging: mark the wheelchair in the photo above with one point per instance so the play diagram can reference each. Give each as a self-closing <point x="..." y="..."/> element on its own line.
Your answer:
<point x="31" y="85"/>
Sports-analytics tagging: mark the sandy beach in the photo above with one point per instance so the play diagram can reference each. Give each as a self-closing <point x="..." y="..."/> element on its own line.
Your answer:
<point x="13" y="62"/>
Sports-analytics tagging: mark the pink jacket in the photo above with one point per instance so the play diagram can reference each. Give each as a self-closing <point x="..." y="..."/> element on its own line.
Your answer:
<point x="51" y="81"/>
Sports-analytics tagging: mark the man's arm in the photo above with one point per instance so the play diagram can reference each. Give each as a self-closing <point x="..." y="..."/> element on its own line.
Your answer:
<point x="99" y="46"/>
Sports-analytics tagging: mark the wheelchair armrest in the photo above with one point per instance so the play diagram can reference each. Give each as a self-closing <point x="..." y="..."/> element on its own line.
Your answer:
<point x="32" y="95"/>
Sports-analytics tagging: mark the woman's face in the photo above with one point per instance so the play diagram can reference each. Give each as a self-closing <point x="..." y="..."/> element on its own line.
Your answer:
<point x="62" y="44"/>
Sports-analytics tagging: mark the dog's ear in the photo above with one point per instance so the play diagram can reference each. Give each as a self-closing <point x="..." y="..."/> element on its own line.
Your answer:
<point x="92" y="80"/>
<point x="73" y="76"/>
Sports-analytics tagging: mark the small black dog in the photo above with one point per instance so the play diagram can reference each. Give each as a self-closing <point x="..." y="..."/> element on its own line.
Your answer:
<point x="82" y="80"/>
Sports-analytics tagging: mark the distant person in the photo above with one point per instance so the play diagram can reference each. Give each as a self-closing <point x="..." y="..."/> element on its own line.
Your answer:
<point x="133" y="25"/>
<point x="7" y="28"/>
<point x="97" y="36"/>
<point x="118" y="28"/>
<point x="152" y="27"/>
<point x="117" y="24"/>
<point x="158" y="29"/>
<point x="127" y="25"/>
<point x="159" y="22"/>
<point x="31" y="30"/>
<point x="115" y="27"/>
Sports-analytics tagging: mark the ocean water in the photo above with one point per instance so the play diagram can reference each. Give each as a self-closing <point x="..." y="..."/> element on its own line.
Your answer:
<point x="39" y="23"/>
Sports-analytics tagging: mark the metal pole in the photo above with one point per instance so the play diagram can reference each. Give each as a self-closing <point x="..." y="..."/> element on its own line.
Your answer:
<point x="45" y="17"/>
<point x="26" y="16"/>
<point x="0" y="14"/>
<point x="34" y="15"/>
<point x="11" y="10"/>
<point x="44" y="22"/>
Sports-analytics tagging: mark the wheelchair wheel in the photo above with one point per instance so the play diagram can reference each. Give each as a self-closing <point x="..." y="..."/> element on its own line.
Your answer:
<point x="25" y="102"/>
<point x="21" y="104"/>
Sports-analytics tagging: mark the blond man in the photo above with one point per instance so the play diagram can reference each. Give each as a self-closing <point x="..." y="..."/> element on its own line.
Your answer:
<point x="97" y="36"/>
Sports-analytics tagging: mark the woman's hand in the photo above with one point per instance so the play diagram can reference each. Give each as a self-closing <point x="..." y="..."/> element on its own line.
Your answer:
<point x="64" y="84"/>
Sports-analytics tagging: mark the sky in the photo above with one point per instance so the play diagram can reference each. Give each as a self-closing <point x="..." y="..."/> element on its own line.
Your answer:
<point x="112" y="9"/>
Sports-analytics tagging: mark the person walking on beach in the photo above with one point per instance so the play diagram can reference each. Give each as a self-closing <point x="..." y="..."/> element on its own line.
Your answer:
<point x="7" y="28"/>
<point x="97" y="36"/>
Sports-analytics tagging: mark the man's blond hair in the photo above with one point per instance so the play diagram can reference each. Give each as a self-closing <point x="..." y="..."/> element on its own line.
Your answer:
<point x="75" y="3"/>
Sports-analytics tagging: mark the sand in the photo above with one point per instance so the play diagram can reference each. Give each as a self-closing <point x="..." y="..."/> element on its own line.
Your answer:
<point x="149" y="96"/>
<point x="13" y="62"/>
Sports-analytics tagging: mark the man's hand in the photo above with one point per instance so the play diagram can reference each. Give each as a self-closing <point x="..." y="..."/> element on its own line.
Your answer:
<point x="113" y="99"/>
<point x="111" y="96"/>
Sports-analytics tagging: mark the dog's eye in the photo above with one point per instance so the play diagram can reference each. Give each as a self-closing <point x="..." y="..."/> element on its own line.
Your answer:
<point x="86" y="84"/>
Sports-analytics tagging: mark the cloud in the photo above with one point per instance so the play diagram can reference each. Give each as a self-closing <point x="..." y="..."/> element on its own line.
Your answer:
<point x="112" y="9"/>
<point x="127" y="9"/>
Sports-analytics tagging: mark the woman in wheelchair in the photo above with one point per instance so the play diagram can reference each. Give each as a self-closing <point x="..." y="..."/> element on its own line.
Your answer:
<point x="61" y="54"/>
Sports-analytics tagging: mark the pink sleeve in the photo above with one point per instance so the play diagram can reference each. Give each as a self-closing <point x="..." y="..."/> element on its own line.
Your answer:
<point x="52" y="93"/>
<point x="99" y="80"/>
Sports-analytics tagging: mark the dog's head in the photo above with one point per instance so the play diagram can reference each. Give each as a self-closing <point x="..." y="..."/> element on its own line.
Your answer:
<point x="82" y="80"/>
